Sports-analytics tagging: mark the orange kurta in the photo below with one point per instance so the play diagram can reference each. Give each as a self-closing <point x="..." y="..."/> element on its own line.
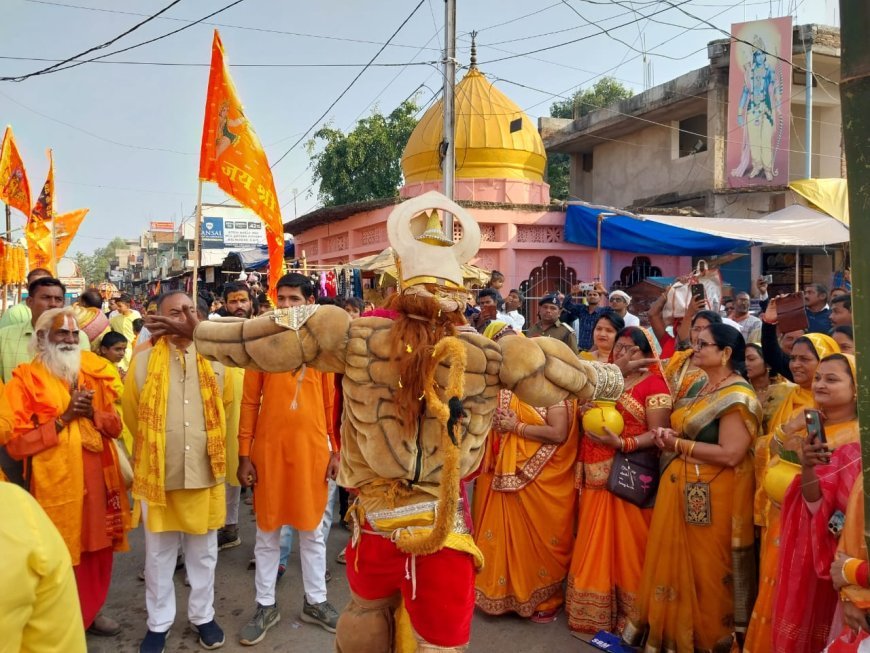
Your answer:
<point x="524" y="506"/>
<point x="68" y="475"/>
<point x="285" y="427"/>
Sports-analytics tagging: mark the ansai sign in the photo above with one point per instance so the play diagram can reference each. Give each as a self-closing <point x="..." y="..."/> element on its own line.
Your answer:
<point x="212" y="233"/>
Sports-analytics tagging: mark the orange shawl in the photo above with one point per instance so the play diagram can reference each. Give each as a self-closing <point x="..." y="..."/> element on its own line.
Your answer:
<point x="38" y="397"/>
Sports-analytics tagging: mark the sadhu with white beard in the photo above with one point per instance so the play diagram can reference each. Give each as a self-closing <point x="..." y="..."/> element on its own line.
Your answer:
<point x="64" y="420"/>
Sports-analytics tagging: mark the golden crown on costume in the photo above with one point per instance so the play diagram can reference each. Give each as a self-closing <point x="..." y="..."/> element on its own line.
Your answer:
<point x="424" y="254"/>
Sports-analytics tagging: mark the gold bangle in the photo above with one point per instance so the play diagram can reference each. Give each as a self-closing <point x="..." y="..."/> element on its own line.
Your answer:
<point x="691" y="449"/>
<point x="850" y="570"/>
<point x="677" y="448"/>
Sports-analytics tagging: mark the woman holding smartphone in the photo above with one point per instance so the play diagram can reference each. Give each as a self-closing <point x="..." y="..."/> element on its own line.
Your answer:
<point x="813" y="511"/>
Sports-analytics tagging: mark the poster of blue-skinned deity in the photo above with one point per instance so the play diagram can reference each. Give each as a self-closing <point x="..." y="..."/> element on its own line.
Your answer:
<point x="759" y="101"/>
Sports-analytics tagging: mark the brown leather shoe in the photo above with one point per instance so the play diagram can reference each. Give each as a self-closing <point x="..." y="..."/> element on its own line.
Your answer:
<point x="104" y="626"/>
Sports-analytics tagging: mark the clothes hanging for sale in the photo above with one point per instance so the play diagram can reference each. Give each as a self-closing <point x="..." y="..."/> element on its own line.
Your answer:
<point x="357" y="283"/>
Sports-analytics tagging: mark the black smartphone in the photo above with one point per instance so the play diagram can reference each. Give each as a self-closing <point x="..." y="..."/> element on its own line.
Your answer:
<point x="815" y="428"/>
<point x="698" y="291"/>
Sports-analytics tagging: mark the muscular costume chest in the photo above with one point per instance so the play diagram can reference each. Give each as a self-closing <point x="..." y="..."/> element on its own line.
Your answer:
<point x="377" y="442"/>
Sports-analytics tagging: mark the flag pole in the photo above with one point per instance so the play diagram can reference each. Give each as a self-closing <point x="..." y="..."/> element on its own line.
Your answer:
<point x="8" y="244"/>
<point x="197" y="245"/>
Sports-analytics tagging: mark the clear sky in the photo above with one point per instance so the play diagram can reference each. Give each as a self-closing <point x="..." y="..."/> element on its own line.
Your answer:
<point x="126" y="137"/>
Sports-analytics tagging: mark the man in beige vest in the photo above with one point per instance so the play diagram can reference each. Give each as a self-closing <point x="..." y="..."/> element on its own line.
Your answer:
<point x="174" y="405"/>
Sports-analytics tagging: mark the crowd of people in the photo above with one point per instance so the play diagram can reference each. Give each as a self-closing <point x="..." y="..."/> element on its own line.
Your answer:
<point x="719" y="516"/>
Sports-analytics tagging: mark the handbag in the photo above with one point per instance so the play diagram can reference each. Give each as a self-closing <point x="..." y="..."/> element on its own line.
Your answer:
<point x="635" y="476"/>
<point x="791" y="314"/>
<point x="680" y="294"/>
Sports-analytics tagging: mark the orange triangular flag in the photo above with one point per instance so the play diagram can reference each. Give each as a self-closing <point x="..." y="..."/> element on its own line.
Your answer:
<point x="231" y="156"/>
<point x="14" y="187"/>
<point x="67" y="226"/>
<point x="38" y="229"/>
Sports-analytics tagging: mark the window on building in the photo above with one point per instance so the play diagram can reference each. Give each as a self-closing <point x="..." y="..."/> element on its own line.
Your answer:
<point x="692" y="135"/>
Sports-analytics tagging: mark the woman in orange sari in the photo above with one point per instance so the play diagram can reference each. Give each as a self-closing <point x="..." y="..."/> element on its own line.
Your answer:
<point x="786" y="431"/>
<point x="805" y="597"/>
<point x="524" y="505"/>
<point x="699" y="571"/>
<point x="612" y="532"/>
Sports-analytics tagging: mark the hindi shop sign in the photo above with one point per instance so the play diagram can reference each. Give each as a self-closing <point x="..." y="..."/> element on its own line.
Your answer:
<point x="212" y="233"/>
<point x="243" y="234"/>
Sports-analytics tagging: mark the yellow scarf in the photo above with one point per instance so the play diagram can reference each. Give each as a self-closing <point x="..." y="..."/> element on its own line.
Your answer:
<point x="150" y="445"/>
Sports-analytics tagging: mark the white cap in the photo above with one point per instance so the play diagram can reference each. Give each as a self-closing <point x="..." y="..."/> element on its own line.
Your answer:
<point x="621" y="293"/>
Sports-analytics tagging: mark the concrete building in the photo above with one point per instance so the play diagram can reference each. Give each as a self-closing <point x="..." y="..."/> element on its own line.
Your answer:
<point x="665" y="149"/>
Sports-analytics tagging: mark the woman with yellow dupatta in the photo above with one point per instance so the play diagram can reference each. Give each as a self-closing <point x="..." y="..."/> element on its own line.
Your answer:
<point x="805" y="597"/>
<point x="699" y="573"/>
<point x="786" y="431"/>
<point x="612" y="532"/>
<point x="524" y="505"/>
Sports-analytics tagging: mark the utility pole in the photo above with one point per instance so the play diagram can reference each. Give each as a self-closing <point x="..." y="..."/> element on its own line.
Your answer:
<point x="855" y="98"/>
<point x="448" y="145"/>
<point x="808" y="131"/>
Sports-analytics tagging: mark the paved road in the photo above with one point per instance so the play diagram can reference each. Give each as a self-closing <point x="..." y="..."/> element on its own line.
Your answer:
<point x="234" y="602"/>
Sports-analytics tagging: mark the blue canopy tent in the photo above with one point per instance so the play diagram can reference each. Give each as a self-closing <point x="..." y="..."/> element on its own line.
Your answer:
<point x="628" y="233"/>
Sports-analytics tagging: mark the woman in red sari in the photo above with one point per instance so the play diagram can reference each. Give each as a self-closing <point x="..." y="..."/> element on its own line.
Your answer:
<point x="806" y="598"/>
<point x="611" y="536"/>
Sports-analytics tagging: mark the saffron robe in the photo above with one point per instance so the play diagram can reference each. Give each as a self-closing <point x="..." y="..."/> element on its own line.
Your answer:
<point x="285" y="428"/>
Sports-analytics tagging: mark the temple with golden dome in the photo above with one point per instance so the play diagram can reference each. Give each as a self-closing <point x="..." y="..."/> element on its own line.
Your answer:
<point x="500" y="165"/>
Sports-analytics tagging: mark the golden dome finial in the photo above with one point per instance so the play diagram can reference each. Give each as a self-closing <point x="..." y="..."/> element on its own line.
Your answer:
<point x="473" y="51"/>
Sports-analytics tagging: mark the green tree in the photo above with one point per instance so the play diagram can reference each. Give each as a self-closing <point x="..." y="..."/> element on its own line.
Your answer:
<point x="93" y="267"/>
<point x="363" y="164"/>
<point x="605" y="92"/>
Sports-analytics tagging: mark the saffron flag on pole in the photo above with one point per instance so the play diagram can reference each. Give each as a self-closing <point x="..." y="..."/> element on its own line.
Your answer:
<point x="14" y="187"/>
<point x="38" y="229"/>
<point x="231" y="156"/>
<point x="65" y="231"/>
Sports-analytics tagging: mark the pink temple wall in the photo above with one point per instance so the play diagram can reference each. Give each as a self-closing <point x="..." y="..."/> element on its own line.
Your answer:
<point x="512" y="241"/>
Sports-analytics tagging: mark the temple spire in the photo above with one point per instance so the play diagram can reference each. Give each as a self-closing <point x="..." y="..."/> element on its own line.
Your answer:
<point x="473" y="51"/>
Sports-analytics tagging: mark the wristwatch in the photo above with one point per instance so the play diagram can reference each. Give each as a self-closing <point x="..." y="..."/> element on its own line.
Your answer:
<point x="59" y="424"/>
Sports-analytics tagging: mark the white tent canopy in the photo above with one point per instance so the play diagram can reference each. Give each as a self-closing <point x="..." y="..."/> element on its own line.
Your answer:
<point x="793" y="226"/>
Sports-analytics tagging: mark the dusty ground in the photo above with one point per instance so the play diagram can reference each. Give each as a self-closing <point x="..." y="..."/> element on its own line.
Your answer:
<point x="234" y="602"/>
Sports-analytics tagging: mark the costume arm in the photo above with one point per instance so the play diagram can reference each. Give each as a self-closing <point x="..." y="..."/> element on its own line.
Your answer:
<point x="281" y="341"/>
<point x="249" y="412"/>
<point x="544" y="371"/>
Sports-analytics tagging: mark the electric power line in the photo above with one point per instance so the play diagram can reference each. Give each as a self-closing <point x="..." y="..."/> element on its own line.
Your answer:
<point x="93" y="134"/>
<point x="397" y="64"/>
<point x="58" y="67"/>
<point x="98" y="47"/>
<point x="349" y="86"/>
<point x="265" y="30"/>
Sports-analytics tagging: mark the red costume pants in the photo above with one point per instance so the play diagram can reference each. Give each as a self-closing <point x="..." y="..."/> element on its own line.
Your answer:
<point x="442" y="606"/>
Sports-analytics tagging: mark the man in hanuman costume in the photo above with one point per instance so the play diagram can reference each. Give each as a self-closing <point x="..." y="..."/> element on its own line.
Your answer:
<point x="419" y="396"/>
